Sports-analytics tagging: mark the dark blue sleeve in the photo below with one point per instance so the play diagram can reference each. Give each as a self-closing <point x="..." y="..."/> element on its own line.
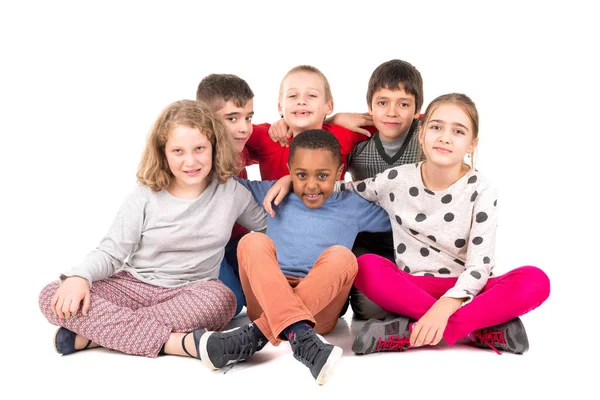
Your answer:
<point x="258" y="189"/>
<point x="371" y="217"/>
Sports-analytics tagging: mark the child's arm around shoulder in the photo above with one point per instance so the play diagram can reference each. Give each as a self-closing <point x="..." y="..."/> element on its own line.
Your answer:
<point x="258" y="189"/>
<point x="368" y="188"/>
<point x="371" y="217"/>
<point x="251" y="214"/>
<point x="361" y="123"/>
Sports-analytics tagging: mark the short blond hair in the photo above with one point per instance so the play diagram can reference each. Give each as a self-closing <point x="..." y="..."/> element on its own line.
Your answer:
<point x="154" y="171"/>
<point x="312" y="70"/>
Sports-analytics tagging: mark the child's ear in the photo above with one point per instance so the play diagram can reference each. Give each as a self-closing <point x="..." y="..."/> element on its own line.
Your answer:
<point x="473" y="145"/>
<point x="417" y="114"/>
<point x="279" y="109"/>
<point x="338" y="175"/>
<point x="421" y="133"/>
<point x="329" y="107"/>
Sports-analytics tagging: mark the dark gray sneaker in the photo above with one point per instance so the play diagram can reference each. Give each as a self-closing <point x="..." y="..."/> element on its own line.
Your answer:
<point x="319" y="356"/>
<point x="391" y="334"/>
<point x="509" y="336"/>
<point x="219" y="349"/>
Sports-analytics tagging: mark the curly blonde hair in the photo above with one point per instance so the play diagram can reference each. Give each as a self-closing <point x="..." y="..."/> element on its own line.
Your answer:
<point x="154" y="170"/>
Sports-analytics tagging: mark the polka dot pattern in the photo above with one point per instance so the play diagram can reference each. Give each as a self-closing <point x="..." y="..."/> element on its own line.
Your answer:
<point x="481" y="217"/>
<point x="438" y="233"/>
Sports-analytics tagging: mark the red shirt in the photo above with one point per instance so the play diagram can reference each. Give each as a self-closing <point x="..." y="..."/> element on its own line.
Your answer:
<point x="248" y="158"/>
<point x="272" y="158"/>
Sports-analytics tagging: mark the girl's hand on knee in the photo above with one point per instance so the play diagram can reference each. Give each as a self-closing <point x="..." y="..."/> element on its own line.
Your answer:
<point x="429" y="329"/>
<point x="69" y="296"/>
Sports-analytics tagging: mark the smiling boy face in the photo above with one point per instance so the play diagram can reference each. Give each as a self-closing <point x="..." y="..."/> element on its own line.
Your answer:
<point x="313" y="173"/>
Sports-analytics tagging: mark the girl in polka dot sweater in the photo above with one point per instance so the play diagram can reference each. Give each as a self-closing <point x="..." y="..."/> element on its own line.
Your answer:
<point x="444" y="217"/>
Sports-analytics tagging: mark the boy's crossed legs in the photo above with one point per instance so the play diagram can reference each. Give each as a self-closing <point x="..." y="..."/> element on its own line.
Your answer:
<point x="286" y="307"/>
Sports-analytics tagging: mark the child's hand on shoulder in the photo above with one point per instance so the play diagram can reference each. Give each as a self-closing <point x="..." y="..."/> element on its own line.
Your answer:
<point x="353" y="121"/>
<point x="276" y="193"/>
<point x="281" y="133"/>
<point x="68" y="297"/>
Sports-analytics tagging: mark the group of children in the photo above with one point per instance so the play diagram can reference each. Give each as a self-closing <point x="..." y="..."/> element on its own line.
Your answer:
<point x="409" y="243"/>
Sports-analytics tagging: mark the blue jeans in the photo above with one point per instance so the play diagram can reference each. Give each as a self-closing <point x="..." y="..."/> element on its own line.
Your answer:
<point x="229" y="274"/>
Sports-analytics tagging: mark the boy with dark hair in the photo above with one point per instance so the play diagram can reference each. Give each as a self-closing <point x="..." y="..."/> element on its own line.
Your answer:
<point x="395" y="98"/>
<point x="232" y="99"/>
<point x="296" y="289"/>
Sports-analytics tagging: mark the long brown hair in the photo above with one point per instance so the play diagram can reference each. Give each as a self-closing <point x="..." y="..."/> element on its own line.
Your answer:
<point x="153" y="170"/>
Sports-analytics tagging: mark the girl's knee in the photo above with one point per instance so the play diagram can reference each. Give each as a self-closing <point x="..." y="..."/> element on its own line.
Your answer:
<point x="535" y="280"/>
<point x="373" y="262"/>
<point x="46" y="296"/>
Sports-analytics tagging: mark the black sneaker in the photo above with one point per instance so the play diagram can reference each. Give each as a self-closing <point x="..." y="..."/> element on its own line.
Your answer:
<point x="509" y="336"/>
<point x="219" y="349"/>
<point x="391" y="334"/>
<point x="320" y="357"/>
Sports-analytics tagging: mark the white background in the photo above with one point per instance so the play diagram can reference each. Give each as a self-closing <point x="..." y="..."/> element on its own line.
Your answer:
<point x="81" y="85"/>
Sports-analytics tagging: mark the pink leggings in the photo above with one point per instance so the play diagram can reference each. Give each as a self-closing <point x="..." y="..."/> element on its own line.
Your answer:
<point x="503" y="298"/>
<point x="137" y="318"/>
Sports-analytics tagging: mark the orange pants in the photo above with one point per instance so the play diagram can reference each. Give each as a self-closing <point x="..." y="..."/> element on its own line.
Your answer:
<point x="275" y="301"/>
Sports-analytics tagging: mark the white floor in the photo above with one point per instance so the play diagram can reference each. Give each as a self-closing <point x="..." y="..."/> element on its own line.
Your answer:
<point x="458" y="372"/>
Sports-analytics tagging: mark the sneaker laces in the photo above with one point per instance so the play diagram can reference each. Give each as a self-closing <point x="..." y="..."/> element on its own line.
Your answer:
<point x="306" y="347"/>
<point x="491" y="337"/>
<point x="241" y="343"/>
<point x="393" y="343"/>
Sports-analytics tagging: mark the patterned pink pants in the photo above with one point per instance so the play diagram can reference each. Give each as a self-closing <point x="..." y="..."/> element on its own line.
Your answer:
<point x="137" y="318"/>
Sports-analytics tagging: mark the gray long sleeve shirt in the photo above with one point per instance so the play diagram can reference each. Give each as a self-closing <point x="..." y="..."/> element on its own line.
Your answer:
<point x="167" y="241"/>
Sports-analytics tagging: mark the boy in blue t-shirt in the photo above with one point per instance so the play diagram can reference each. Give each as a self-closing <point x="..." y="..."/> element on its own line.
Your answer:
<point x="297" y="288"/>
